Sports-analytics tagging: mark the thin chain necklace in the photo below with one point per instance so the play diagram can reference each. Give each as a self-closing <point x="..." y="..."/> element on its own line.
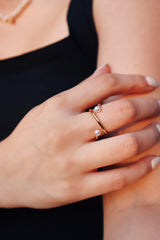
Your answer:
<point x="10" y="17"/>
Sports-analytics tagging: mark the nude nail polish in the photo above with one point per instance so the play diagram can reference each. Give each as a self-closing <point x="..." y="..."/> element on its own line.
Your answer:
<point x="155" y="162"/>
<point x="152" y="82"/>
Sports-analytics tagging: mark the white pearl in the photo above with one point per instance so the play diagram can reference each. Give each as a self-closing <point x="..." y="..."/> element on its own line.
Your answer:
<point x="97" y="133"/>
<point x="97" y="109"/>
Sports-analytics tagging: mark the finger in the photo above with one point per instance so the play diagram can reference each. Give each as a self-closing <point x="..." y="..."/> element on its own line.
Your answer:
<point x="102" y="69"/>
<point x="100" y="183"/>
<point x="118" y="114"/>
<point x="117" y="149"/>
<point x="112" y="98"/>
<point x="96" y="88"/>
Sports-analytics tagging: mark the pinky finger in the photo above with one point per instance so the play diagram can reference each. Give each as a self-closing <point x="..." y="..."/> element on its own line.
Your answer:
<point x="100" y="183"/>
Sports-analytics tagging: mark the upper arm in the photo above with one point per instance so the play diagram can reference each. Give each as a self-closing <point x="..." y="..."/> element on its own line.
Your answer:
<point x="129" y="35"/>
<point x="129" y="41"/>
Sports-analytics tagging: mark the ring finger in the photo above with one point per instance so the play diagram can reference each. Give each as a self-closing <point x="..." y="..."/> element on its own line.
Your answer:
<point x="119" y="113"/>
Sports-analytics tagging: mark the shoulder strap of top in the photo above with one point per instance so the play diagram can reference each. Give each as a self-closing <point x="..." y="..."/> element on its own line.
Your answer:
<point x="82" y="27"/>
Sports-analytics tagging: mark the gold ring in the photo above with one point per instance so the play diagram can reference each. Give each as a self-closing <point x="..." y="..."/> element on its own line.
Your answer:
<point x="97" y="132"/>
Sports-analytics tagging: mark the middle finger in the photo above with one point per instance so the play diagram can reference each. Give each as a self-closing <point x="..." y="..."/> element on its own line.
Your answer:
<point x="116" y="149"/>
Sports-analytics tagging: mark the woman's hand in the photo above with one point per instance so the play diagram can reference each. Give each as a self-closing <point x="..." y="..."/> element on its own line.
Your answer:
<point x="51" y="158"/>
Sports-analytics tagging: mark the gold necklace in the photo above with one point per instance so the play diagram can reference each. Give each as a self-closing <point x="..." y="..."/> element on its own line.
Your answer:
<point x="10" y="17"/>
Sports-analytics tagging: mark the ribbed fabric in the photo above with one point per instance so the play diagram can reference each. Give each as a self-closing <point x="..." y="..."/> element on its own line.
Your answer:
<point x="28" y="80"/>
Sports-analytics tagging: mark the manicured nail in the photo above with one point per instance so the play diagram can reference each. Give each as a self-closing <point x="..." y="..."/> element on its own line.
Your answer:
<point x="158" y="127"/>
<point x="152" y="82"/>
<point x="155" y="162"/>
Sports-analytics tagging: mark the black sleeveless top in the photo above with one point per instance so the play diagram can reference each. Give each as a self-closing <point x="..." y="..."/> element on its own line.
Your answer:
<point x="28" y="80"/>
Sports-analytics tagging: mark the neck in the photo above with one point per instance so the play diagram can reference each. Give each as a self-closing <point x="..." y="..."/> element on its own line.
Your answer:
<point x="8" y="5"/>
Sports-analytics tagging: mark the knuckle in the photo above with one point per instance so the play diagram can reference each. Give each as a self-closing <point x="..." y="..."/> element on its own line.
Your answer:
<point x="56" y="102"/>
<point x="80" y="157"/>
<point x="130" y="145"/>
<point x="82" y="153"/>
<point x="110" y="80"/>
<point x="60" y="99"/>
<point x="137" y="82"/>
<point x="127" y="107"/>
<point x="72" y="163"/>
<point x="61" y="137"/>
<point x="142" y="168"/>
<point x="49" y="104"/>
<point x="75" y="188"/>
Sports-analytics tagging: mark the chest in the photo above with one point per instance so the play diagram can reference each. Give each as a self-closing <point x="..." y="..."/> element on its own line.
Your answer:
<point x="39" y="25"/>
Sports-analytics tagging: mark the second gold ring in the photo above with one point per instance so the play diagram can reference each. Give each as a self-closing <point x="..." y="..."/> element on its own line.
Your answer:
<point x="98" y="109"/>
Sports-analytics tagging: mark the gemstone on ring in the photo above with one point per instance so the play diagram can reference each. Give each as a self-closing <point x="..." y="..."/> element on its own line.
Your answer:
<point x="97" y="108"/>
<point x="97" y="133"/>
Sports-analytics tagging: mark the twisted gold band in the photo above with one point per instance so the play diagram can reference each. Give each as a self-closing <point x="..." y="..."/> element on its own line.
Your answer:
<point x="98" y="121"/>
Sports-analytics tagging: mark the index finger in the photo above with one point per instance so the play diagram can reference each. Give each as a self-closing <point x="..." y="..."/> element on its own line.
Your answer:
<point x="98" y="87"/>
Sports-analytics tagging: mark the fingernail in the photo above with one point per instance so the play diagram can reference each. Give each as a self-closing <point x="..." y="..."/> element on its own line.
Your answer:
<point x="152" y="82"/>
<point x="155" y="162"/>
<point x="102" y="66"/>
<point x="158" y="127"/>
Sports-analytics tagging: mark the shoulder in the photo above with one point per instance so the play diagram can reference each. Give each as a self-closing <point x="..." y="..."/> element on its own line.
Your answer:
<point x="122" y="12"/>
<point x="126" y="31"/>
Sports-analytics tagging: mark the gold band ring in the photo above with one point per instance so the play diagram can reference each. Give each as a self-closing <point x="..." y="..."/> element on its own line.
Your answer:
<point x="98" y="109"/>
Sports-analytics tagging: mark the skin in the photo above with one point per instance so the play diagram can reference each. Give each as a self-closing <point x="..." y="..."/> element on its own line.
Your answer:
<point x="22" y="37"/>
<point x="53" y="16"/>
<point x="132" y="47"/>
<point x="55" y="162"/>
<point x="7" y="6"/>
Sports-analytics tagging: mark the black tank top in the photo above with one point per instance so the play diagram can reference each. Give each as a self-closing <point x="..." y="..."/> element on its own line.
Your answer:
<point x="28" y="80"/>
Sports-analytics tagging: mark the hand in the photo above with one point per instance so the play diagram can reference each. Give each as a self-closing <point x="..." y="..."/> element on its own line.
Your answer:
<point x="144" y="192"/>
<point x="52" y="158"/>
